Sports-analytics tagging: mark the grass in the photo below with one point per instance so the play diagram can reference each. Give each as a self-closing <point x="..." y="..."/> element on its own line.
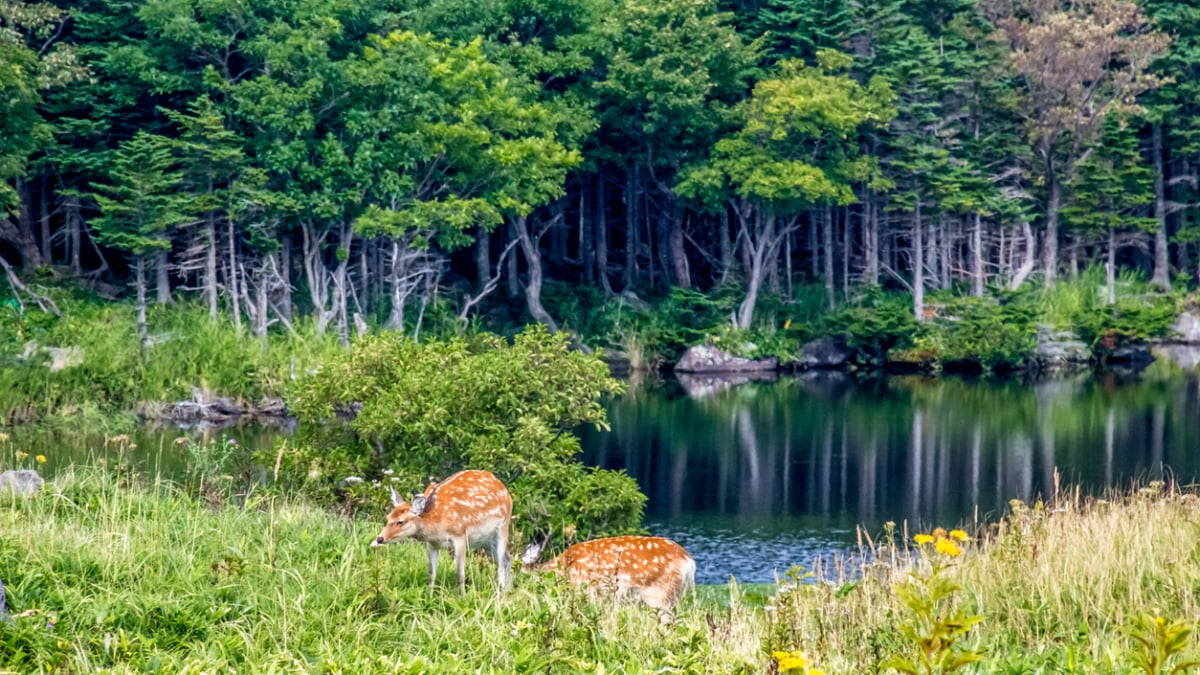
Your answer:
<point x="121" y="572"/>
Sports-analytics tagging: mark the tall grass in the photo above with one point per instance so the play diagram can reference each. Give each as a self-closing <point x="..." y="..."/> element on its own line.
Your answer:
<point x="114" y="571"/>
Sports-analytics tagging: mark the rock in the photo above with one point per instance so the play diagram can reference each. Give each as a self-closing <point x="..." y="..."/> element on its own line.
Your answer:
<point x="20" y="482"/>
<point x="4" y="604"/>
<point x="700" y="386"/>
<point x="826" y="352"/>
<point x="223" y="406"/>
<point x="1186" y="356"/>
<point x="274" y="407"/>
<point x="709" y="359"/>
<point x="1060" y="349"/>
<point x="1187" y="328"/>
<point x="64" y="357"/>
<point x="1134" y="353"/>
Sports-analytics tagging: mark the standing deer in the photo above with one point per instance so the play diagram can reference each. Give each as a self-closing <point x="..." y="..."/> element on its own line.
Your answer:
<point x="656" y="570"/>
<point x="470" y="509"/>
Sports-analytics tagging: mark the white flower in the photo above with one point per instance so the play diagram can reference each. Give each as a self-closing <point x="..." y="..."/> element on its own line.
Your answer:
<point x="353" y="480"/>
<point x="388" y="472"/>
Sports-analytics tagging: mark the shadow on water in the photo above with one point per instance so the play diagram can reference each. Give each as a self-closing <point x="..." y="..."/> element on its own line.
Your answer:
<point x="756" y="477"/>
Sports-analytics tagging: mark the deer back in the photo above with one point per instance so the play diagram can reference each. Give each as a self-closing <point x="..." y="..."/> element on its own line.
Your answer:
<point x="657" y="569"/>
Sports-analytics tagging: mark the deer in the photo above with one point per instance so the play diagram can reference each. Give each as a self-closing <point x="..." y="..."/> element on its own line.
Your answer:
<point x="469" y="510"/>
<point x="655" y="570"/>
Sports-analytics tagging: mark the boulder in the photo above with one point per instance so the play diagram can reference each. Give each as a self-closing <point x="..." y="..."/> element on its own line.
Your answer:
<point x="20" y="482"/>
<point x="1186" y="356"/>
<point x="1134" y="353"/>
<point x="709" y="359"/>
<point x="1060" y="349"/>
<point x="830" y="351"/>
<point x="1187" y="328"/>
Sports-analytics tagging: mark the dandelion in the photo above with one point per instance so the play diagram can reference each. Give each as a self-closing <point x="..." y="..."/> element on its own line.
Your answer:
<point x="790" y="660"/>
<point x="923" y="539"/>
<point x="41" y="459"/>
<point x="939" y="533"/>
<point x="959" y="535"/>
<point x="948" y="547"/>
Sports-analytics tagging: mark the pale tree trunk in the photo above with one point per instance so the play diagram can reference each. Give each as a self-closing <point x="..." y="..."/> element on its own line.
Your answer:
<point x="317" y="275"/>
<point x="871" y="239"/>
<point x="1028" y="263"/>
<point x="162" y="265"/>
<point x="210" y="266"/>
<point x="918" y="261"/>
<point x="533" y="287"/>
<point x="1050" y="248"/>
<point x="341" y="283"/>
<point x="1162" y="266"/>
<point x="827" y="246"/>
<point x="601" y="228"/>
<point x="727" y="259"/>
<point x="512" y="281"/>
<point x="977" y="257"/>
<point x="285" y="278"/>
<point x="847" y="235"/>
<point x="483" y="257"/>
<point x="761" y="238"/>
<point x="1111" y="271"/>
<point x="944" y="267"/>
<point x="679" y="263"/>
<point x="75" y="233"/>
<point x="139" y="266"/>
<point x="44" y="201"/>
<point x="234" y="290"/>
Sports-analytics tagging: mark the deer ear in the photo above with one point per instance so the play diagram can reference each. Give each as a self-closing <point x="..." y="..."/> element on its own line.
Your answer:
<point x="418" y="505"/>
<point x="396" y="501"/>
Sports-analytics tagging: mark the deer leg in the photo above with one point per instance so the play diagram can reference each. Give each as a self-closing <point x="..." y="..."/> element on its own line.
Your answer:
<point x="503" y="559"/>
<point x="460" y="563"/>
<point x="433" y="552"/>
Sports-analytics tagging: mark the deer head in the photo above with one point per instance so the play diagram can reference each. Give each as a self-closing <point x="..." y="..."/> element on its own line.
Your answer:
<point x="402" y="520"/>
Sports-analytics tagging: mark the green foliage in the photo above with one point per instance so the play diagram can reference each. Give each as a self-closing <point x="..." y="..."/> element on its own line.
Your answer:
<point x="427" y="410"/>
<point x="934" y="626"/>
<point x="1156" y="643"/>
<point x="996" y="333"/>
<point x="1110" y="326"/>
<point x="875" y="323"/>
<point x="141" y="204"/>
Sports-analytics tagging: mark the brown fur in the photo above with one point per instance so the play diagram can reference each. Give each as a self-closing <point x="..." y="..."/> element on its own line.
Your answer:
<point x="656" y="570"/>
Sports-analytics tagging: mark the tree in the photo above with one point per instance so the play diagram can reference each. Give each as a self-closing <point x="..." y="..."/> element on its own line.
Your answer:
<point x="140" y="205"/>
<point x="797" y="149"/>
<point x="1076" y="63"/>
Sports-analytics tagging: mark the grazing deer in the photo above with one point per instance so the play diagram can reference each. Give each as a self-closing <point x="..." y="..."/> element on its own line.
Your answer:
<point x="470" y="509"/>
<point x="656" y="570"/>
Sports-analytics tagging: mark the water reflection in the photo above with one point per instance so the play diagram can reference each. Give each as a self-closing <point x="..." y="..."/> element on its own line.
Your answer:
<point x="793" y="465"/>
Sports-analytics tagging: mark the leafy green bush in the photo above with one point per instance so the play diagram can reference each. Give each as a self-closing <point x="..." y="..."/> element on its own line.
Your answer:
<point x="876" y="323"/>
<point x="423" y="411"/>
<point x="1108" y="327"/>
<point x="995" y="333"/>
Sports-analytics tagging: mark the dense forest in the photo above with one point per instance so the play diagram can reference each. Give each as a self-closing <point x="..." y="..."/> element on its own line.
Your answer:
<point x="352" y="162"/>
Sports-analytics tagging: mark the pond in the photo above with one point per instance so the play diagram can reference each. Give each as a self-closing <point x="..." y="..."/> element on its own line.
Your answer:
<point x="756" y="477"/>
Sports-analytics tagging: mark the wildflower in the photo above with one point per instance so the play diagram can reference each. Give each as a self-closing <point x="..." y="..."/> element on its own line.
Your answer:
<point x="939" y="533"/>
<point x="923" y="539"/>
<point x="3" y="437"/>
<point x="132" y="446"/>
<point x="41" y="459"/>
<point x="119" y="439"/>
<point x="948" y="547"/>
<point x="790" y="660"/>
<point x="353" y="480"/>
<point x="959" y="535"/>
<point x="21" y="455"/>
<point x="388" y="472"/>
<point x="182" y="440"/>
<point x="233" y="441"/>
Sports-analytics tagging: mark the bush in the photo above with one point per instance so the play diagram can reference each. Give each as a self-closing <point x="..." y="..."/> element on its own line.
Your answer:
<point x="996" y="333"/>
<point x="423" y="411"/>
<point x="876" y="323"/>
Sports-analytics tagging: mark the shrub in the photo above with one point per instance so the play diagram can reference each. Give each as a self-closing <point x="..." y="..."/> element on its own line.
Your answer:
<point x="423" y="411"/>
<point x="876" y="323"/>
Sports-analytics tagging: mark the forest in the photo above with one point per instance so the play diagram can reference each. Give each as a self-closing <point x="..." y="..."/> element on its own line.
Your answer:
<point x="368" y="163"/>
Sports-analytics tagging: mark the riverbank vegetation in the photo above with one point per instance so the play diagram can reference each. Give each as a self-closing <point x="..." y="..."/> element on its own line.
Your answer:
<point x="745" y="169"/>
<point x="115" y="570"/>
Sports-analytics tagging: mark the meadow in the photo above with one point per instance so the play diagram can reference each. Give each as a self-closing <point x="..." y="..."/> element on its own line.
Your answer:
<point x="115" y="571"/>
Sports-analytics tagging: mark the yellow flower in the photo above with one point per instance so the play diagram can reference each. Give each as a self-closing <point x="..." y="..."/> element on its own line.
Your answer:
<point x="790" y="660"/>
<point x="816" y="671"/>
<point x="923" y="539"/>
<point x="959" y="535"/>
<point x="3" y="437"/>
<point x="948" y="547"/>
<point x="940" y="533"/>
<point x="41" y="459"/>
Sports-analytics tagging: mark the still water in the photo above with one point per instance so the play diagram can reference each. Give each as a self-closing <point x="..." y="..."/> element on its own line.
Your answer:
<point x="757" y="477"/>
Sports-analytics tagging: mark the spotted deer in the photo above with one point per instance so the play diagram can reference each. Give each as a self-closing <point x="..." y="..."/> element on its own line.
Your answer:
<point x="654" y="569"/>
<point x="469" y="510"/>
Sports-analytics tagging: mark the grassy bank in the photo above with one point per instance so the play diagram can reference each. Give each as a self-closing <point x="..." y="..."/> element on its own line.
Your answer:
<point x="123" y="572"/>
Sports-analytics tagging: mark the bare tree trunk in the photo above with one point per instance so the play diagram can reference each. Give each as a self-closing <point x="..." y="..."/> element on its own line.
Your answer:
<point x="210" y="266"/>
<point x="533" y="288"/>
<point x="1022" y="273"/>
<point x="727" y="260"/>
<point x="1051" y="246"/>
<point x="483" y="257"/>
<point x="162" y="266"/>
<point x="285" y="278"/>
<point x="75" y="233"/>
<point x="977" y="256"/>
<point x="139" y="266"/>
<point x="44" y="212"/>
<point x="918" y="261"/>
<point x="847" y="236"/>
<point x="679" y="262"/>
<point x="234" y="294"/>
<point x="629" y="278"/>
<point x="827" y="245"/>
<point x="1111" y="271"/>
<point x="20" y="233"/>
<point x="944" y="267"/>
<point x="512" y="282"/>
<point x="871" y="239"/>
<point x="1162" y="265"/>
<point x="600" y="225"/>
